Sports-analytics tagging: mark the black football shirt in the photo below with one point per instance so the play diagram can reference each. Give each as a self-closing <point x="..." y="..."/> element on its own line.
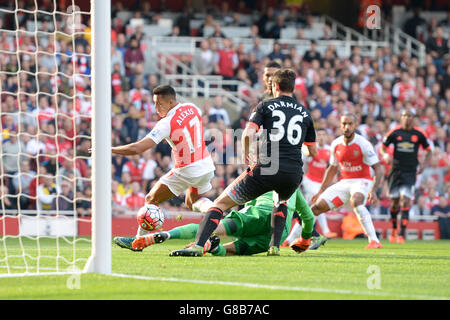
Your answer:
<point x="287" y="125"/>
<point x="406" y="146"/>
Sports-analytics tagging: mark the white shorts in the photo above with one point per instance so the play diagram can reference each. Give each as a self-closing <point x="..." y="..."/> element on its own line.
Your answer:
<point x="310" y="188"/>
<point x="402" y="191"/>
<point x="178" y="183"/>
<point x="340" y="193"/>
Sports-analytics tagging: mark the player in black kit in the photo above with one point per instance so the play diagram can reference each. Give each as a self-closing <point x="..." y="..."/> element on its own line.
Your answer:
<point x="287" y="126"/>
<point x="406" y="140"/>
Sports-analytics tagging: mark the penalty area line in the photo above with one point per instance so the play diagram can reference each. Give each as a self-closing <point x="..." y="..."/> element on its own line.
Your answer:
<point x="285" y="288"/>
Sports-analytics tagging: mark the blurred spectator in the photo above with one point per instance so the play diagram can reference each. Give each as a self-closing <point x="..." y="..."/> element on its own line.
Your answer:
<point x="208" y="24"/>
<point x="21" y="182"/>
<point x="226" y="60"/>
<point x="217" y="32"/>
<point x="131" y="123"/>
<point x="276" y="53"/>
<point x="442" y="211"/>
<point x="135" y="199"/>
<point x="183" y="21"/>
<point x="64" y="200"/>
<point x="435" y="172"/>
<point x="266" y="21"/>
<point x="312" y="53"/>
<point x="410" y="26"/>
<point x="275" y="31"/>
<point x="83" y="202"/>
<point x="118" y="163"/>
<point x="12" y="148"/>
<point x="124" y="187"/>
<point x="438" y="47"/>
<point x="203" y="61"/>
<point x="46" y="192"/>
<point x="217" y="112"/>
<point x="67" y="173"/>
<point x="135" y="167"/>
<point x="175" y="31"/>
<point x="420" y="208"/>
<point x="134" y="59"/>
<point x="7" y="201"/>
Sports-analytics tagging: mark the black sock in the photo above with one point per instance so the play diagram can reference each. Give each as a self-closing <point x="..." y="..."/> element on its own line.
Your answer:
<point x="277" y="224"/>
<point x="207" y="226"/>
<point x="394" y="214"/>
<point x="404" y="222"/>
<point x="315" y="233"/>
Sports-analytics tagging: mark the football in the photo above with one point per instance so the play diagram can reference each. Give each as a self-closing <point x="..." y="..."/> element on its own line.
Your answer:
<point x="150" y="217"/>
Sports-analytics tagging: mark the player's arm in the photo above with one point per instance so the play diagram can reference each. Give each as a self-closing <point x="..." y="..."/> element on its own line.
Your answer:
<point x="309" y="149"/>
<point x="428" y="149"/>
<point x="328" y="180"/>
<point x="134" y="148"/>
<point x="372" y="196"/>
<point x="247" y="137"/>
<point x="310" y="141"/>
<point x="253" y="124"/>
<point x="306" y="215"/>
<point x="384" y="148"/>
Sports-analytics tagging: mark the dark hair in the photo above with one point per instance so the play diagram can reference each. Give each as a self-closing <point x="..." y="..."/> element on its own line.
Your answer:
<point x="285" y="78"/>
<point x="272" y="64"/>
<point x="352" y="115"/>
<point x="165" y="91"/>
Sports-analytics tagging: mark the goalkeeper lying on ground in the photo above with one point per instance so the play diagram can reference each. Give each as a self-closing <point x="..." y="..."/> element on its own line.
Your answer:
<point x="251" y="226"/>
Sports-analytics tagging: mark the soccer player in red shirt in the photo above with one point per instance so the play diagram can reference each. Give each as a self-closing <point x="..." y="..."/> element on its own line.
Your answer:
<point x="354" y="156"/>
<point x="181" y="125"/>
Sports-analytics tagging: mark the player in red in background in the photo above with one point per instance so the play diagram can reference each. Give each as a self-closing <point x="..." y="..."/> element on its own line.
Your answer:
<point x="181" y="125"/>
<point x="402" y="177"/>
<point x="354" y="156"/>
<point x="311" y="185"/>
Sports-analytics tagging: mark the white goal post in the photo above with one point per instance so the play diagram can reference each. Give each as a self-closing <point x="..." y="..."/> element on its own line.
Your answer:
<point x="35" y="239"/>
<point x="100" y="259"/>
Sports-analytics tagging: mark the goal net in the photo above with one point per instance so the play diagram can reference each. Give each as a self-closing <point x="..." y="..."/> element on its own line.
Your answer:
<point x="48" y="107"/>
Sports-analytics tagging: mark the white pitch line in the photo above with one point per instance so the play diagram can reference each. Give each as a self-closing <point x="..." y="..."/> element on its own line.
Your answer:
<point x="242" y="284"/>
<point x="286" y="288"/>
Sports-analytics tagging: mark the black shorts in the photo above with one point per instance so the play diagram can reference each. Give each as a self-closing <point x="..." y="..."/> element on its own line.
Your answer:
<point x="401" y="183"/>
<point x="251" y="184"/>
<point x="398" y="178"/>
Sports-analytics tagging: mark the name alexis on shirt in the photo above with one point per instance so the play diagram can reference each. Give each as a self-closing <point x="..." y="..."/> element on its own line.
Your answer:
<point x="184" y="115"/>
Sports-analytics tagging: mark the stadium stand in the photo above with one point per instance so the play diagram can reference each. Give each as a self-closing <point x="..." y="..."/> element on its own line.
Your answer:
<point x="353" y="73"/>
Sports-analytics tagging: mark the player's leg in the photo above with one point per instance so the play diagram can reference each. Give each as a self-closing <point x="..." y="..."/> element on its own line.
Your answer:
<point x="196" y="199"/>
<point x="187" y="231"/>
<point x="295" y="232"/>
<point x="358" y="200"/>
<point x="244" y="188"/>
<point x="284" y="187"/>
<point x="394" y="209"/>
<point x="406" y="194"/>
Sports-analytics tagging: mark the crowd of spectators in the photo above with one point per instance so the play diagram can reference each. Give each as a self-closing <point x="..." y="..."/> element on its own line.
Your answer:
<point x="46" y="116"/>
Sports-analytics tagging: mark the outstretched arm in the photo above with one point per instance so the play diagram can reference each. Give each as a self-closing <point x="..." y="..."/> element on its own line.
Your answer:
<point x="134" y="148"/>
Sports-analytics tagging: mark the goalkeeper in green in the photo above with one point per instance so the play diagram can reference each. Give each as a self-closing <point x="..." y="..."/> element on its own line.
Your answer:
<point x="251" y="226"/>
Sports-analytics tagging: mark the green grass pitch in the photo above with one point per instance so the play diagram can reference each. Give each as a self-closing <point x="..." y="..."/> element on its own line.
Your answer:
<point x="341" y="269"/>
